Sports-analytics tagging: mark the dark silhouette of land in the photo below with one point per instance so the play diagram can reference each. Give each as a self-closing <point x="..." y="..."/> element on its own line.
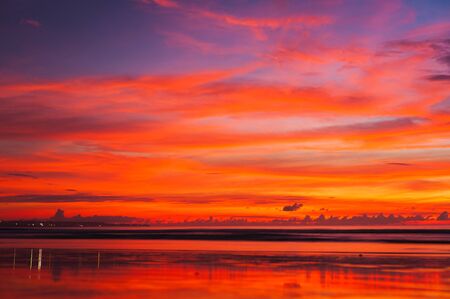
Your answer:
<point x="60" y="220"/>
<point x="437" y="236"/>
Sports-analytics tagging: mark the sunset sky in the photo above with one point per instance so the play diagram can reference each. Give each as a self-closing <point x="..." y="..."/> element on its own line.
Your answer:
<point x="177" y="110"/>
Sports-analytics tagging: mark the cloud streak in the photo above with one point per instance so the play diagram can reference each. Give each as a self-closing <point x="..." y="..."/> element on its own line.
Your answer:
<point x="31" y="22"/>
<point x="67" y="198"/>
<point x="22" y="175"/>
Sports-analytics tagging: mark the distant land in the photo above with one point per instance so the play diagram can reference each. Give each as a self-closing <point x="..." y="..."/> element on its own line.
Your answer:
<point x="60" y="220"/>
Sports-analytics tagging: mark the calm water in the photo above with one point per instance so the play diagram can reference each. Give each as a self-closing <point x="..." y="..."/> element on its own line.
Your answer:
<point x="119" y="268"/>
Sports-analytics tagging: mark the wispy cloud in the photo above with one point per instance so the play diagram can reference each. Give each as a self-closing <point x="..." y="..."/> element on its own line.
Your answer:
<point x="256" y="25"/>
<point x="31" y="22"/>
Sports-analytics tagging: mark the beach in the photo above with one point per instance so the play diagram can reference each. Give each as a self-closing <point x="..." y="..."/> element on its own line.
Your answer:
<point x="161" y="268"/>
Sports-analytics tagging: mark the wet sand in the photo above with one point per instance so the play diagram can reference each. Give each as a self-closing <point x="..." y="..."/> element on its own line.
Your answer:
<point x="208" y="264"/>
<point x="87" y="273"/>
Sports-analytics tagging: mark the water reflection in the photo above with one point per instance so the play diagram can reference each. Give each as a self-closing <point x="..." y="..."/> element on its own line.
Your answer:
<point x="31" y="259"/>
<point x="63" y="273"/>
<point x="14" y="259"/>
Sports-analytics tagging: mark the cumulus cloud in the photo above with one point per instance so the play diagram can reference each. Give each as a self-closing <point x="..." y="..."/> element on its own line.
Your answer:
<point x="307" y="220"/>
<point x="59" y="216"/>
<point x="443" y="216"/>
<point x="293" y="207"/>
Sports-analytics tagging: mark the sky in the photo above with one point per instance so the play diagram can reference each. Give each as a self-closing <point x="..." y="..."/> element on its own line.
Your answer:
<point x="179" y="110"/>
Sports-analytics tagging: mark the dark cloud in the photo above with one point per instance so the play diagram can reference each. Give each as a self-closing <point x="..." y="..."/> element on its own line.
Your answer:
<point x="22" y="175"/>
<point x="445" y="59"/>
<point x="61" y="198"/>
<point x="293" y="207"/>
<point x="443" y="216"/>
<point x="399" y="164"/>
<point x="405" y="44"/>
<point x="439" y="77"/>
<point x="364" y="220"/>
<point x="41" y="174"/>
<point x="381" y="125"/>
<point x="370" y="126"/>
<point x="292" y="285"/>
<point x="440" y="49"/>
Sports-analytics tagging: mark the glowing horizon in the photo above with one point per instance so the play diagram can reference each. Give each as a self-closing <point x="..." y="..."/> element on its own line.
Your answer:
<point x="182" y="110"/>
